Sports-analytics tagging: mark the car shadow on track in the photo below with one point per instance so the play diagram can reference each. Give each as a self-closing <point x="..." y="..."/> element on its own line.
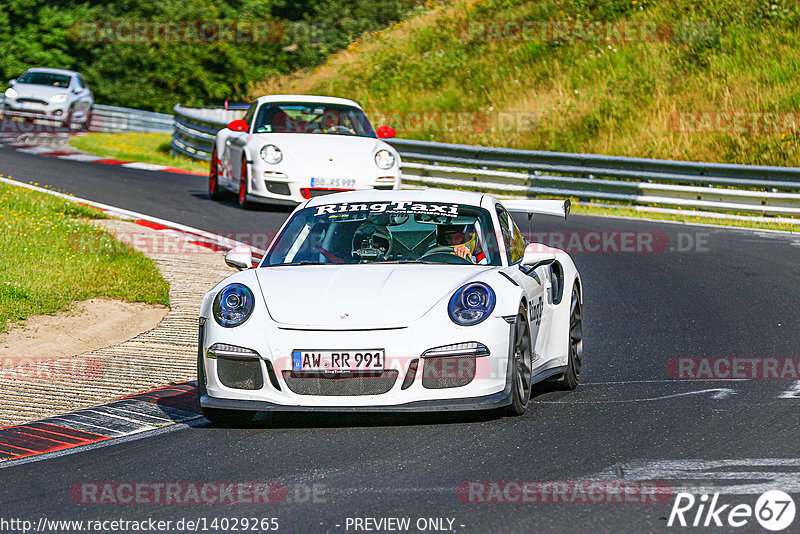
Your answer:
<point x="285" y="420"/>
<point x="230" y="200"/>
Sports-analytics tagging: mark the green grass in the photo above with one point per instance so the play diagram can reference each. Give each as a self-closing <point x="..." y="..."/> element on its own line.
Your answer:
<point x="136" y="146"/>
<point x="618" y="98"/>
<point x="53" y="254"/>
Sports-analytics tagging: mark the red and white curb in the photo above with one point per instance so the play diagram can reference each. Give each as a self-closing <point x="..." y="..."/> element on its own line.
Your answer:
<point x="90" y="158"/>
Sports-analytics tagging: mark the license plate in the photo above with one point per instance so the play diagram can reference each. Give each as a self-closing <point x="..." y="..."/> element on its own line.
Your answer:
<point x="335" y="183"/>
<point x="338" y="361"/>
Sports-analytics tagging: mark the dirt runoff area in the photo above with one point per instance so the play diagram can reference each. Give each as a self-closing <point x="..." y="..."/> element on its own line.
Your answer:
<point x="89" y="325"/>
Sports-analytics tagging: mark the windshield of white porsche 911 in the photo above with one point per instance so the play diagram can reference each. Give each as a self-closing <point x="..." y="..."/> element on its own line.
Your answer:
<point x="299" y="117"/>
<point x="386" y="232"/>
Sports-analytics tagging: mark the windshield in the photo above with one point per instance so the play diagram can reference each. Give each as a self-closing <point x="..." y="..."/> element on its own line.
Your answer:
<point x="45" y="78"/>
<point x="298" y="117"/>
<point x="387" y="232"/>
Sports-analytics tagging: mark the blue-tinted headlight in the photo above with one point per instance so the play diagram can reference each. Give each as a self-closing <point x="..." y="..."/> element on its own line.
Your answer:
<point x="233" y="305"/>
<point x="471" y="304"/>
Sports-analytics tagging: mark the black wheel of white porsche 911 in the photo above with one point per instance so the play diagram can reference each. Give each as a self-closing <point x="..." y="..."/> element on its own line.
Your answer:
<point x="521" y="366"/>
<point x="572" y="376"/>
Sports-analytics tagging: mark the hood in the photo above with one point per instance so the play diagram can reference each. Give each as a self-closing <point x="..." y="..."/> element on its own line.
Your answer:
<point x="42" y="92"/>
<point x="358" y="296"/>
<point x="325" y="150"/>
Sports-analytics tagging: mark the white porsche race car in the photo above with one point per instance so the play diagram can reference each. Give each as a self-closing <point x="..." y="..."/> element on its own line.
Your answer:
<point x="290" y="148"/>
<point x="392" y="301"/>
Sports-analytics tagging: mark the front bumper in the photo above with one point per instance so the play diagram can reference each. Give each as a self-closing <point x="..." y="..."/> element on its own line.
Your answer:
<point x="36" y="111"/>
<point x="276" y="389"/>
<point x="292" y="184"/>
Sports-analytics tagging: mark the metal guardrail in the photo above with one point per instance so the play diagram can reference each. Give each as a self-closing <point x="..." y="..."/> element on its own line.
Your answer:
<point x="116" y="119"/>
<point x="194" y="129"/>
<point x="710" y="186"/>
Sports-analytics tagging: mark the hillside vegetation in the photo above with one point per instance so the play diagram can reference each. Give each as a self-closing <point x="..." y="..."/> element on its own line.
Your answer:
<point x="718" y="82"/>
<point x="194" y="65"/>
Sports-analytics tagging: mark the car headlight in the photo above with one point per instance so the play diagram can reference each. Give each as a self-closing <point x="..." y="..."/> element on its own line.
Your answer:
<point x="233" y="305"/>
<point x="384" y="159"/>
<point x="58" y="99"/>
<point x="271" y="154"/>
<point x="471" y="304"/>
<point x="11" y="93"/>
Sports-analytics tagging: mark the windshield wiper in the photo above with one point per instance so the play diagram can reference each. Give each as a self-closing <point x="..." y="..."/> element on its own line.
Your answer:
<point x="300" y="263"/>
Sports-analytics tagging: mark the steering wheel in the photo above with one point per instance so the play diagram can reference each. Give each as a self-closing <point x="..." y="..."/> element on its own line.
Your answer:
<point x="446" y="254"/>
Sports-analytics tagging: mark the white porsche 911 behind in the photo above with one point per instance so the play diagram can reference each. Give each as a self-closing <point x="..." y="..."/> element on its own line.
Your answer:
<point x="288" y="148"/>
<point x="392" y="301"/>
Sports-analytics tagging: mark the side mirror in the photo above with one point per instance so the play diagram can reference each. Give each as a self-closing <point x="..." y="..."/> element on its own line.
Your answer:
<point x="12" y="81"/>
<point x="537" y="255"/>
<point x="238" y="126"/>
<point x="240" y="257"/>
<point x="385" y="132"/>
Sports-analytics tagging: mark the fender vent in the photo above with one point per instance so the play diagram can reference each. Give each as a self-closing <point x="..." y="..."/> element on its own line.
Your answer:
<point x="452" y="372"/>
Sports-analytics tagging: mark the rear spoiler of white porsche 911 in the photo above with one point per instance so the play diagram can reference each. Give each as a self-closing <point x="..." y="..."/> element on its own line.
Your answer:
<point x="559" y="208"/>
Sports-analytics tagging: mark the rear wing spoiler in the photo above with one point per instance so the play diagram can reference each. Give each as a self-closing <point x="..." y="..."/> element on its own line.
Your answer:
<point x="559" y="208"/>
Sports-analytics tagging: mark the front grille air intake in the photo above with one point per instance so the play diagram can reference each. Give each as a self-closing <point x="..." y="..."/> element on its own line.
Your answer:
<point x="238" y="373"/>
<point x="450" y="372"/>
<point x="340" y="385"/>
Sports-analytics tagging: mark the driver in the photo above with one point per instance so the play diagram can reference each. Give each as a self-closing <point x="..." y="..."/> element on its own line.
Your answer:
<point x="331" y="123"/>
<point x="464" y="240"/>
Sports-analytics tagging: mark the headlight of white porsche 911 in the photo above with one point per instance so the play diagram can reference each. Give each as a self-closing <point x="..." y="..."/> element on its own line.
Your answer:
<point x="384" y="159"/>
<point x="11" y="93"/>
<point x="271" y="154"/>
<point x="471" y="304"/>
<point x="59" y="99"/>
<point x="233" y="305"/>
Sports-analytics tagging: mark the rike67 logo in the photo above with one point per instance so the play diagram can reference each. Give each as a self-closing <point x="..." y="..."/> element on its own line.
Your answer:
<point x="774" y="510"/>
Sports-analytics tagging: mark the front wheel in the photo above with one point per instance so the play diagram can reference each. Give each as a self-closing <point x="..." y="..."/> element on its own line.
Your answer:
<point x="521" y="366"/>
<point x="572" y="376"/>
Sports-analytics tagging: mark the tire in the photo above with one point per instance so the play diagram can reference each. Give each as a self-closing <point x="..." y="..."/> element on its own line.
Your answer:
<point x="243" y="202"/>
<point x="88" y="120"/>
<point x="67" y="123"/>
<point x="521" y="366"/>
<point x="213" y="177"/>
<point x="572" y="376"/>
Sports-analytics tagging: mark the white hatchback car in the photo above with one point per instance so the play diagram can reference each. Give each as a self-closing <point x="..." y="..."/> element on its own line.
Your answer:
<point x="289" y="148"/>
<point x="54" y="95"/>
